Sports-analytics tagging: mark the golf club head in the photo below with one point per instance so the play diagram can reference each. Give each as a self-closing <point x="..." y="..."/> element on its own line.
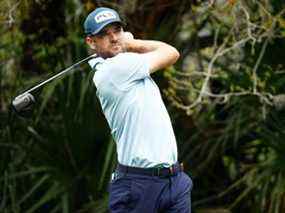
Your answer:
<point x="23" y="103"/>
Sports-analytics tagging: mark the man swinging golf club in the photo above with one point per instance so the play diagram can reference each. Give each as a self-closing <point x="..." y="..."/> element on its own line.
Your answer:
<point x="148" y="177"/>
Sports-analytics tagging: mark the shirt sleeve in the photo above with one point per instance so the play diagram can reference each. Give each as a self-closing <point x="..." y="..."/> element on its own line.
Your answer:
<point x="96" y="64"/>
<point x="128" y="68"/>
<point x="95" y="61"/>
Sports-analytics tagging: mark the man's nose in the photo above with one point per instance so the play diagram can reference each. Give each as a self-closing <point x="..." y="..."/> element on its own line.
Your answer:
<point x="113" y="36"/>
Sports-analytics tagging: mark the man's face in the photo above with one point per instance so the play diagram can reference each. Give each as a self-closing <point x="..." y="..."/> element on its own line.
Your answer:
<point x="108" y="42"/>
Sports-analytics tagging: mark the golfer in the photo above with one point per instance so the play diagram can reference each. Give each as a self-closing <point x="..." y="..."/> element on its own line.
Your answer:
<point x="148" y="177"/>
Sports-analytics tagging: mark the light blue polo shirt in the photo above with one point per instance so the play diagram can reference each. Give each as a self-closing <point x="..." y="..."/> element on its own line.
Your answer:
<point x="134" y="109"/>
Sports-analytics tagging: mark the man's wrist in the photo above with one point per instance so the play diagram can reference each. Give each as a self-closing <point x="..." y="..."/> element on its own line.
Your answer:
<point x="141" y="46"/>
<point x="133" y="45"/>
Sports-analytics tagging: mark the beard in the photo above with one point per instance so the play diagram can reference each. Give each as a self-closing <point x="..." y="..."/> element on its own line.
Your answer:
<point x="112" y="50"/>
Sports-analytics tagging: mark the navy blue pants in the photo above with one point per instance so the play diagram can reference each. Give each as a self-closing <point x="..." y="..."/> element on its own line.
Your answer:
<point x="150" y="194"/>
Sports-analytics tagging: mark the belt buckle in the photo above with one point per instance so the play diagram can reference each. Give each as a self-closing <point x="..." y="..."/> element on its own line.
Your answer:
<point x="156" y="172"/>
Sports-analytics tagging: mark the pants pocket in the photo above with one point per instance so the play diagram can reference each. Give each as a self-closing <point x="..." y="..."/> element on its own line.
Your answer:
<point x="119" y="193"/>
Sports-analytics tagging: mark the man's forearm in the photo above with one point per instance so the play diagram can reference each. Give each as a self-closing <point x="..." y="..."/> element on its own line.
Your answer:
<point x="160" y="54"/>
<point x="144" y="46"/>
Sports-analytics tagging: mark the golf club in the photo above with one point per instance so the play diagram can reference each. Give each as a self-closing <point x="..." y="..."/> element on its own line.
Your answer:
<point x="25" y="100"/>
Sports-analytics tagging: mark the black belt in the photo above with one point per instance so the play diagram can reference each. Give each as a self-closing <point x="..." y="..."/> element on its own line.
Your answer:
<point x="161" y="172"/>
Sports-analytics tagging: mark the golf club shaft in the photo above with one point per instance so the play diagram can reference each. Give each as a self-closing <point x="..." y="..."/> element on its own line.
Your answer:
<point x="59" y="74"/>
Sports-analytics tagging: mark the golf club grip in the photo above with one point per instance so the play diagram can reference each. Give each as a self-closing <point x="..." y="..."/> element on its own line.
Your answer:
<point x="60" y="73"/>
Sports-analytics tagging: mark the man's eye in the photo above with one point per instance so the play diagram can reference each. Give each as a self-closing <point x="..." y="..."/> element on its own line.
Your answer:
<point x="118" y="28"/>
<point x="102" y="34"/>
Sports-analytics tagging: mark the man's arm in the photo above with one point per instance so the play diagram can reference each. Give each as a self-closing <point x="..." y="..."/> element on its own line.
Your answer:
<point x="160" y="54"/>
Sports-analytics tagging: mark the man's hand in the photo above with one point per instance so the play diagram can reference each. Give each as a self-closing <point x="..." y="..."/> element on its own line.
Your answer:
<point x="128" y="36"/>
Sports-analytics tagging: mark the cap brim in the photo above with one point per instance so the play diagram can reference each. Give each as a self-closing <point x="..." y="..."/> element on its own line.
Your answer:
<point x="107" y="23"/>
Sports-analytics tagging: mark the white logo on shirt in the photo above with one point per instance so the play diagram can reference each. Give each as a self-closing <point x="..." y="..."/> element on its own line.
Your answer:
<point x="104" y="15"/>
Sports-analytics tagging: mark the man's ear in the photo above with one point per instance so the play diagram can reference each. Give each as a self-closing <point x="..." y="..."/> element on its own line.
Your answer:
<point x="90" y="42"/>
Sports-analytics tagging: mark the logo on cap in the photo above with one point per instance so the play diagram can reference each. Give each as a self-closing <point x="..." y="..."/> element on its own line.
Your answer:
<point x="104" y="16"/>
